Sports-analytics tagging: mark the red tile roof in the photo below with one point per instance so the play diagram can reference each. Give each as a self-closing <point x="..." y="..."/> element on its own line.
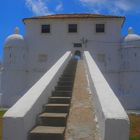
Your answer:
<point x="68" y="16"/>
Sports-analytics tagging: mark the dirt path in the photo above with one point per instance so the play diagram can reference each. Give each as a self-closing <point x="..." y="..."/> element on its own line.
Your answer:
<point x="81" y="124"/>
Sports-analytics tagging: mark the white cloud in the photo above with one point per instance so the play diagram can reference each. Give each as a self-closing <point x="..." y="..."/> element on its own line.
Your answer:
<point x="123" y="6"/>
<point x="113" y="6"/>
<point x="59" y="7"/>
<point x="38" y="7"/>
<point x="93" y="1"/>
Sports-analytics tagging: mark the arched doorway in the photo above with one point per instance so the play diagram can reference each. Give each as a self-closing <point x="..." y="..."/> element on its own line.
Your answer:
<point x="77" y="55"/>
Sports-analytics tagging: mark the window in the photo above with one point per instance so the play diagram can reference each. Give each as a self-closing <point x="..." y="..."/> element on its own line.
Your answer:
<point x="100" y="28"/>
<point x="72" y="28"/>
<point x="77" y="45"/>
<point x="46" y="28"/>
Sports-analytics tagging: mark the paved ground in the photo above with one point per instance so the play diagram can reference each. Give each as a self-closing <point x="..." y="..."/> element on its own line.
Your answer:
<point x="81" y="124"/>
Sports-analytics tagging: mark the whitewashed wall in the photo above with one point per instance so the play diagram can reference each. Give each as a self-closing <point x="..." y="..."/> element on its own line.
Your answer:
<point x="55" y="44"/>
<point x="112" y="119"/>
<point x="21" y="117"/>
<point x="130" y="77"/>
<point x="14" y="74"/>
<point x="59" y="41"/>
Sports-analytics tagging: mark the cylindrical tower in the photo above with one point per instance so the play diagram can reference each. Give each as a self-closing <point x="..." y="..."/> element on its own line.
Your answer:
<point x="14" y="73"/>
<point x="130" y="70"/>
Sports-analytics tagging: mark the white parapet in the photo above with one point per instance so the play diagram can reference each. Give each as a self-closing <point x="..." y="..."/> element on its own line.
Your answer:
<point x="112" y="118"/>
<point x="21" y="117"/>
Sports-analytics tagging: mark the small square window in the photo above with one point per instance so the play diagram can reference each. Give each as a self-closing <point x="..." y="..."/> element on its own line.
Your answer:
<point x="77" y="45"/>
<point x="72" y="28"/>
<point x="46" y="28"/>
<point x="100" y="28"/>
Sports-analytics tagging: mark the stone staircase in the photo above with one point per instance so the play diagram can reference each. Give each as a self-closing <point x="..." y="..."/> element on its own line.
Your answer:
<point x="53" y="120"/>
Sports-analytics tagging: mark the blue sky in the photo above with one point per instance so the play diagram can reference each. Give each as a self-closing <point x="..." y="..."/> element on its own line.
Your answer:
<point x="13" y="11"/>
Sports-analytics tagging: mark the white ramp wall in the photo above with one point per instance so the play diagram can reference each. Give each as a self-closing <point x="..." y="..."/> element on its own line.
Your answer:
<point x="21" y="118"/>
<point x="112" y="118"/>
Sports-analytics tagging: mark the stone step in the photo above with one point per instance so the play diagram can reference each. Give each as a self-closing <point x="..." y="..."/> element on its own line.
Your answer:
<point x="71" y="67"/>
<point x="53" y="119"/>
<point x="61" y="93"/>
<point x="57" y="108"/>
<point x="65" y="83"/>
<point x="68" y="75"/>
<point x="70" y="70"/>
<point x="72" y="62"/>
<point x="59" y="100"/>
<point x="67" y="88"/>
<point x="47" y="133"/>
<point x="66" y="79"/>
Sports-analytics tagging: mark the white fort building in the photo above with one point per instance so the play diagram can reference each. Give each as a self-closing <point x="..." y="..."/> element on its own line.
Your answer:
<point x="47" y="38"/>
<point x="35" y="68"/>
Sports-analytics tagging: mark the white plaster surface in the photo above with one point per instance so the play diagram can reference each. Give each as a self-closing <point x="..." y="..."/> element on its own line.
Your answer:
<point x="115" y="55"/>
<point x="112" y="118"/>
<point x="54" y="45"/>
<point x="129" y="92"/>
<point x="21" y="117"/>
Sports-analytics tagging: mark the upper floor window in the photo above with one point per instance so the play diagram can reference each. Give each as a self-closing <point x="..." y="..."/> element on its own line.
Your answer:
<point x="72" y="28"/>
<point x="45" y="28"/>
<point x="100" y="28"/>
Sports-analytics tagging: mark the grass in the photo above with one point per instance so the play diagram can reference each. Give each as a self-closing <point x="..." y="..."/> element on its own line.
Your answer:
<point x="0" y="128"/>
<point x="1" y="115"/>
<point x="136" y="138"/>
<point x="134" y="126"/>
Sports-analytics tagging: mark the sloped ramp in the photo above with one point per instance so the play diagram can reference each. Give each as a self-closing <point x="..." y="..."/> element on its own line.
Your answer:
<point x="81" y="122"/>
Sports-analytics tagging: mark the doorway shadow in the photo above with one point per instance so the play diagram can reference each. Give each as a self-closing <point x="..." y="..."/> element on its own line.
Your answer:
<point x="77" y="55"/>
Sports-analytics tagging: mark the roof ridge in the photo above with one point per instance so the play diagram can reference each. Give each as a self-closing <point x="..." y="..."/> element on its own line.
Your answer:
<point x="73" y="15"/>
